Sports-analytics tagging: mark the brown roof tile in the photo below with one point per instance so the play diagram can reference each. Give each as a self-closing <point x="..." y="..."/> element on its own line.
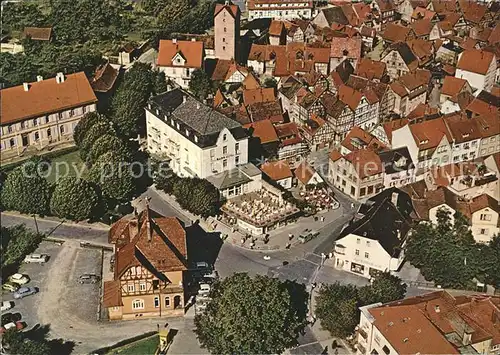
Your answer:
<point x="335" y="155"/>
<point x="264" y="130"/>
<point x="304" y="172"/>
<point x="475" y="61"/>
<point x="396" y="33"/>
<point x="371" y="69"/>
<point x="366" y="162"/>
<point x="462" y="129"/>
<point x="191" y="51"/>
<point x="45" y="97"/>
<point x="472" y="10"/>
<point x="349" y="96"/>
<point x="358" y="138"/>
<point x="258" y="95"/>
<point x="104" y="78"/>
<point x="233" y="9"/>
<point x="277" y="170"/>
<point x="422" y="27"/>
<point x="452" y="86"/>
<point x="428" y="134"/>
<point x="276" y="28"/>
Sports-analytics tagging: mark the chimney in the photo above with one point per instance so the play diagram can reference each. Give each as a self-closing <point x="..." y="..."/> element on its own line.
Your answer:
<point x="436" y="309"/>
<point x="226" y="3"/>
<point x="183" y="98"/>
<point x="39" y="78"/>
<point x="59" y="78"/>
<point x="26" y="86"/>
<point x="174" y="40"/>
<point x="193" y="39"/>
<point x="467" y="338"/>
<point x="197" y="105"/>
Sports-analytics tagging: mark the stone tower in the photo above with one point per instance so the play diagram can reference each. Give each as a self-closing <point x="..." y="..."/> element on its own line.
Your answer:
<point x="227" y="31"/>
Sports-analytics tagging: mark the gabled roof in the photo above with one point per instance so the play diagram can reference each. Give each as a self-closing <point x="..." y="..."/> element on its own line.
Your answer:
<point x="276" y="28"/>
<point x="472" y="11"/>
<point x="335" y="15"/>
<point x="191" y="51"/>
<point x="385" y="5"/>
<point x="406" y="54"/>
<point x="158" y="243"/>
<point x="462" y="129"/>
<point x="349" y="96"/>
<point x="422" y="27"/>
<point x="365" y="162"/>
<point x="45" y="97"/>
<point x="452" y="86"/>
<point x="384" y="223"/>
<point x="304" y="172"/>
<point x="428" y="134"/>
<point x="277" y="170"/>
<point x="475" y="60"/>
<point x="264" y="130"/>
<point x="258" y="95"/>
<point x="370" y="69"/>
<point x="396" y="160"/>
<point x="358" y="138"/>
<point x="104" y="78"/>
<point x="396" y="33"/>
<point x="234" y="10"/>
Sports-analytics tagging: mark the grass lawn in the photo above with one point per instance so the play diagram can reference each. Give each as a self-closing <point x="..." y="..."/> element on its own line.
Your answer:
<point x="143" y="347"/>
<point x="68" y="164"/>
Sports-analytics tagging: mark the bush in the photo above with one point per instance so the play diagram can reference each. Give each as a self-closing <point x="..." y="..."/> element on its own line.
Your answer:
<point x="17" y="242"/>
<point x="203" y="198"/>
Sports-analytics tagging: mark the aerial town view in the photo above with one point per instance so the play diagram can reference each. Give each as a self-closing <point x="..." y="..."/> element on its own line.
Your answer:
<point x="296" y="177"/>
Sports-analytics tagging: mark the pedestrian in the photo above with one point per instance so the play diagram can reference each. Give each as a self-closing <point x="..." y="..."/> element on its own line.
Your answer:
<point x="352" y="205"/>
<point x="330" y="255"/>
<point x="322" y="218"/>
<point x="290" y="236"/>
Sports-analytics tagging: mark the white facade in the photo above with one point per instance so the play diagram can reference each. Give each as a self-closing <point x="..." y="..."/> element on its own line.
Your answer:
<point x="359" y="255"/>
<point x="279" y="10"/>
<point x="188" y="158"/>
<point x="180" y="75"/>
<point x="479" y="81"/>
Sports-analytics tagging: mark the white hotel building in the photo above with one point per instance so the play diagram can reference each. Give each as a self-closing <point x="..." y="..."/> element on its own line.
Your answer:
<point x="279" y="9"/>
<point x="198" y="141"/>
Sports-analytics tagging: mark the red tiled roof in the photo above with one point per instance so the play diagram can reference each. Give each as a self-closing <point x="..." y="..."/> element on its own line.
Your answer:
<point x="264" y="130"/>
<point x="366" y="162"/>
<point x="258" y="95"/>
<point x="335" y="155"/>
<point x="45" y="97"/>
<point x="104" y="78"/>
<point x="277" y="170"/>
<point x="358" y="138"/>
<point x="462" y="129"/>
<point x="348" y="47"/>
<point x="422" y="27"/>
<point x="304" y="172"/>
<point x="191" y="51"/>
<point x="161" y="241"/>
<point x="276" y="28"/>
<point x="349" y="96"/>
<point x="472" y="10"/>
<point x="233" y="9"/>
<point x="396" y="33"/>
<point x="475" y="61"/>
<point x="428" y="134"/>
<point x="370" y="69"/>
<point x="452" y="86"/>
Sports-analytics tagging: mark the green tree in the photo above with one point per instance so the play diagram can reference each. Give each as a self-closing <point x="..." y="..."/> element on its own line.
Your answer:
<point x="267" y="320"/>
<point x="203" y="198"/>
<point x="337" y="308"/>
<point x="130" y="99"/>
<point x="113" y="176"/>
<point x="490" y="261"/>
<point x="74" y="199"/>
<point x="165" y="179"/>
<point x="16" y="69"/>
<point x="200" y="84"/>
<point x="384" y="288"/>
<point x="445" y="253"/>
<point x="171" y="12"/>
<point x="108" y="143"/>
<point x="16" y="16"/>
<point x="85" y="124"/>
<point x="26" y="191"/>
<point x="159" y="82"/>
<point x="17" y="242"/>
<point x="92" y="135"/>
<point x="86" y="20"/>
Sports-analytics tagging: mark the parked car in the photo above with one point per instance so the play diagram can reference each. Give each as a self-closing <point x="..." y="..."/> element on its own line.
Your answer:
<point x="36" y="258"/>
<point x="9" y="286"/>
<point x="213" y="275"/>
<point x="88" y="279"/>
<point x="19" y="279"/>
<point x="205" y="287"/>
<point x="6" y="305"/>
<point x="11" y="318"/>
<point x="12" y="325"/>
<point x="202" y="265"/>
<point x="24" y="292"/>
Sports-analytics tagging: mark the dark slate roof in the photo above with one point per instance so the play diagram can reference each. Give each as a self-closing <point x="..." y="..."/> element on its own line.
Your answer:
<point x="335" y="15"/>
<point x="391" y="158"/>
<point x="405" y="52"/>
<point x="193" y="115"/>
<point x="489" y="98"/>
<point x="345" y="69"/>
<point x="257" y="24"/>
<point x="383" y="220"/>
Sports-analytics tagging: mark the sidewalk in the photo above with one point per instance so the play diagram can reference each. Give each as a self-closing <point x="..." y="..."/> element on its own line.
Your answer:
<point x="52" y="219"/>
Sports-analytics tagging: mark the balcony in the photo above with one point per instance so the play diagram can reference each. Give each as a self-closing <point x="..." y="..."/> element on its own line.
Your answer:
<point x="339" y="249"/>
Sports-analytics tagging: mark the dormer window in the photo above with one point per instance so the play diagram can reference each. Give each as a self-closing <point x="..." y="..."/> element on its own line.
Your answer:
<point x="224" y="137"/>
<point x="196" y="139"/>
<point x="424" y="141"/>
<point x="187" y="133"/>
<point x="178" y="60"/>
